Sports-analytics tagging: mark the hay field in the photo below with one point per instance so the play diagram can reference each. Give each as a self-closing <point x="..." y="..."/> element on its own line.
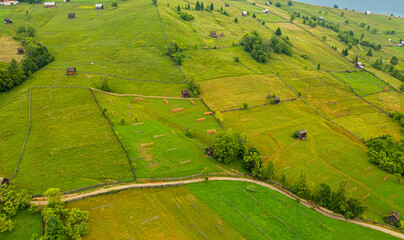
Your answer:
<point x="8" y="49"/>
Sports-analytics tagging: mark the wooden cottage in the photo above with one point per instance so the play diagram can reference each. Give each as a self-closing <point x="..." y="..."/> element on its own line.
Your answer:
<point x="213" y="34"/>
<point x="50" y="4"/>
<point x="99" y="6"/>
<point x="359" y="65"/>
<point x="7" y="21"/>
<point x="367" y="13"/>
<point x="302" y="134"/>
<point x="185" y="94"/>
<point x="227" y="5"/>
<point x="20" y="50"/>
<point x="222" y="35"/>
<point x="209" y="152"/>
<point x="393" y="217"/>
<point x="71" y="15"/>
<point x="277" y="100"/>
<point x="70" y="71"/>
<point x="66" y="1"/>
<point x="4" y="181"/>
<point x="244" y="14"/>
<point x="267" y="3"/>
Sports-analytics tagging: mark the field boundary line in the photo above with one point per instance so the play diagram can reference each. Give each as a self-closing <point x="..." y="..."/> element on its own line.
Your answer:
<point x="112" y="75"/>
<point x="112" y="128"/>
<point x="369" y="94"/>
<point x="26" y="136"/>
<point x="214" y="115"/>
<point x="178" y="183"/>
<point x="137" y="95"/>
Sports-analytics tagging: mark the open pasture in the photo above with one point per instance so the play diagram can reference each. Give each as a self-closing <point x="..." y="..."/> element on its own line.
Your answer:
<point x="70" y="145"/>
<point x="264" y="214"/>
<point x="8" y="49"/>
<point x="324" y="155"/>
<point x="228" y="93"/>
<point x="362" y="82"/>
<point x="389" y="101"/>
<point x="173" y="213"/>
<point x="26" y="224"/>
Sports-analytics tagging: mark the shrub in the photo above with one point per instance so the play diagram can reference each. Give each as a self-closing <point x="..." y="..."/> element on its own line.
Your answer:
<point x="235" y="20"/>
<point x="114" y="4"/>
<point x="290" y="3"/>
<point x="186" y="16"/>
<point x="228" y="146"/>
<point x="278" y="5"/>
<point x="189" y="133"/>
<point x="236" y="59"/>
<point x="245" y="105"/>
<point x="194" y="88"/>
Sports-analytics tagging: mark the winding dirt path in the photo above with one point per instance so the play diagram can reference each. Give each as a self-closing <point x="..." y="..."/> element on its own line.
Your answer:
<point x="77" y="197"/>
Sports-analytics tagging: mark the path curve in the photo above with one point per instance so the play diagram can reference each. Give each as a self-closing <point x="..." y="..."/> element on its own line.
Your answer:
<point x="179" y="183"/>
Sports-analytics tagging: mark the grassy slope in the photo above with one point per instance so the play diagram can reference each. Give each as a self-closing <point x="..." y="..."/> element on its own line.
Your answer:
<point x="158" y="119"/>
<point x="275" y="208"/>
<point x="8" y="49"/>
<point x="25" y="225"/>
<point x="362" y="82"/>
<point x="129" y="214"/>
<point x="71" y="144"/>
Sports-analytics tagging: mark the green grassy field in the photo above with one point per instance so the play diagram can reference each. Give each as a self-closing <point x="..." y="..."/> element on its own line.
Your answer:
<point x="389" y="101"/>
<point x="70" y="145"/>
<point x="362" y="82"/>
<point x="173" y="213"/>
<point x="26" y="224"/>
<point x="267" y="214"/>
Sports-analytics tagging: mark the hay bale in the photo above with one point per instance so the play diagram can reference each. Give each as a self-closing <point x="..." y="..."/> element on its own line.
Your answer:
<point x="184" y="162"/>
<point x="192" y="102"/>
<point x="177" y="110"/>
<point x="143" y="145"/>
<point x="159" y="136"/>
<point x="165" y="100"/>
<point x="207" y="113"/>
<point x="137" y="124"/>
<point x="154" y="164"/>
<point x="353" y="189"/>
<point x="211" y="131"/>
<point x="172" y="149"/>
<point x="385" y="178"/>
<point x="366" y="196"/>
<point x="139" y="99"/>
<point x="173" y="132"/>
<point x="200" y="120"/>
<point x="368" y="168"/>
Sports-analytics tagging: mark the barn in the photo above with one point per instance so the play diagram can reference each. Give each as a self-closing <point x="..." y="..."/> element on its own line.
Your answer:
<point x="70" y="71"/>
<point x="71" y="15"/>
<point x="99" y="6"/>
<point x="50" y="4"/>
<point x="393" y="217"/>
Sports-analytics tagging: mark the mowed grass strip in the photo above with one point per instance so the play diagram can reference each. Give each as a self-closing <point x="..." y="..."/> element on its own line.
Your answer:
<point x="173" y="213"/>
<point x="71" y="144"/>
<point x="328" y="154"/>
<point x="362" y="82"/>
<point x="265" y="214"/>
<point x="232" y="92"/>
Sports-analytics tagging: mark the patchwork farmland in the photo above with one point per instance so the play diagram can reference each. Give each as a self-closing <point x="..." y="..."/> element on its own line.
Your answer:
<point x="155" y="89"/>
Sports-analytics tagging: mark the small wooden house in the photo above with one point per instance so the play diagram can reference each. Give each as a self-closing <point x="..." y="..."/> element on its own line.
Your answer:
<point x="367" y="13"/>
<point x="71" y="15"/>
<point x="213" y="34"/>
<point x="209" y="152"/>
<point x="4" y="181"/>
<point x="277" y="100"/>
<point x="265" y="11"/>
<point x="185" y="94"/>
<point x="50" y="4"/>
<point x="244" y="14"/>
<point x="393" y="217"/>
<point x="359" y="65"/>
<point x="20" y="50"/>
<point x="99" y="6"/>
<point x="302" y="134"/>
<point x="7" y="21"/>
<point x="267" y="3"/>
<point x="70" y="71"/>
<point x="66" y="1"/>
<point x="227" y="5"/>
<point x="222" y="35"/>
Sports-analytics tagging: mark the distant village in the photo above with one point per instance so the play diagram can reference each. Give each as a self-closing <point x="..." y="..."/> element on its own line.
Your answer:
<point x="8" y="3"/>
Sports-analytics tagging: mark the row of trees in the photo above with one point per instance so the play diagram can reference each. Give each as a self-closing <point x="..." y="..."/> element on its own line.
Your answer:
<point x="36" y="57"/>
<point x="260" y="50"/>
<point x="200" y="7"/>
<point x="387" y="154"/>
<point x="390" y="68"/>
<point x="175" y="52"/>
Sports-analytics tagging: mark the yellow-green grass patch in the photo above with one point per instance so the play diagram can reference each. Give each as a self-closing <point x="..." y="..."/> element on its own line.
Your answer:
<point x="8" y="49"/>
<point x="71" y="144"/>
<point x="173" y="213"/>
<point x="389" y="101"/>
<point x="362" y="82"/>
<point x="232" y="92"/>
<point x="328" y="154"/>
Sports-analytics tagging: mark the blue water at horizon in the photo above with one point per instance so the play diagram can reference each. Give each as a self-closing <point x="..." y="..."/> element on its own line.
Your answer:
<point x="385" y="7"/>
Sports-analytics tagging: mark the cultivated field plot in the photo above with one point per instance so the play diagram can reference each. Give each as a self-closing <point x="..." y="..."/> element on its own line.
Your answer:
<point x="155" y="136"/>
<point x="307" y="44"/>
<point x="232" y="92"/>
<point x="8" y="49"/>
<point x="329" y="154"/>
<point x="266" y="214"/>
<point x="115" y="41"/>
<point x="173" y="213"/>
<point x="70" y="145"/>
<point x="389" y="101"/>
<point x="362" y="82"/>
<point x="26" y="224"/>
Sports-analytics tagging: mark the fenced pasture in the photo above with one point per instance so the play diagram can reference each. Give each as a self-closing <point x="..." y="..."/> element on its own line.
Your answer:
<point x="70" y="144"/>
<point x="8" y="49"/>
<point x="389" y="101"/>
<point x="232" y="92"/>
<point x="173" y="213"/>
<point x="323" y="155"/>
<point x="25" y="225"/>
<point x="110" y="41"/>
<point x="362" y="82"/>
<point x="266" y="214"/>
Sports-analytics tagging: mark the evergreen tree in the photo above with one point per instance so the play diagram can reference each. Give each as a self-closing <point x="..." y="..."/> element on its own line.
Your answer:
<point x="235" y="20"/>
<point x="278" y="32"/>
<point x="179" y="8"/>
<point x="254" y="15"/>
<point x="356" y="59"/>
<point x="370" y="54"/>
<point x="197" y="6"/>
<point x="189" y="7"/>
<point x="202" y="7"/>
<point x="211" y="7"/>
